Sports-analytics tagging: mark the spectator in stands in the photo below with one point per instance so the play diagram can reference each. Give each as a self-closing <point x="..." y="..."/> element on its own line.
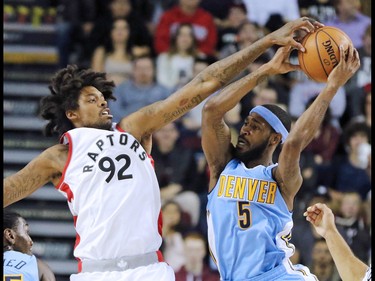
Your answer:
<point x="321" y="10"/>
<point x="350" y="172"/>
<point x="259" y="11"/>
<point x="356" y="86"/>
<point x="218" y="9"/>
<point x="322" y="264"/>
<point x="151" y="10"/>
<point x="139" y="34"/>
<point x="115" y="57"/>
<point x="366" y="106"/>
<point x="305" y="89"/>
<point x="187" y="11"/>
<point x="196" y="266"/>
<point x="355" y="231"/>
<point x="351" y="20"/>
<point x="247" y="34"/>
<point x="174" y="68"/>
<point x="19" y="263"/>
<point x="74" y="25"/>
<point x="176" y="171"/>
<point x="228" y="27"/>
<point x="303" y="234"/>
<point x="172" y="233"/>
<point x="140" y="90"/>
<point x="325" y="143"/>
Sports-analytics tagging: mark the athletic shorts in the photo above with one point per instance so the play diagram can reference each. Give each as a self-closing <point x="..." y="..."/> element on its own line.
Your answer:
<point x="156" y="271"/>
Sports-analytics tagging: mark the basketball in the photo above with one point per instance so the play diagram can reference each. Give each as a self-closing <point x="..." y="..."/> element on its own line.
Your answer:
<point x="322" y="52"/>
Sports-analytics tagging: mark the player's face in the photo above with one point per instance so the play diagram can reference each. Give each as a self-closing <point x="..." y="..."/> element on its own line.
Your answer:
<point x="253" y="139"/>
<point x="93" y="111"/>
<point x="22" y="241"/>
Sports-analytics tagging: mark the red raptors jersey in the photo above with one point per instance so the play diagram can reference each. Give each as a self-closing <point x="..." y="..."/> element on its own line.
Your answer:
<point x="113" y="194"/>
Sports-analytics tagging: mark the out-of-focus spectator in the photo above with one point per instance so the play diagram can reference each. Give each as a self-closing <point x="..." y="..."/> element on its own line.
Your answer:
<point x="218" y="9"/>
<point x="351" y="20"/>
<point x="366" y="108"/>
<point x="303" y="90"/>
<point x="322" y="264"/>
<point x="321" y="10"/>
<point x="227" y="28"/>
<point x="176" y="170"/>
<point x="151" y="10"/>
<point x="196" y="266"/>
<point x="172" y="233"/>
<point x="138" y="91"/>
<point x="187" y="11"/>
<point x="247" y="34"/>
<point x="355" y="231"/>
<point x="114" y="57"/>
<point x="303" y="234"/>
<point x="355" y="88"/>
<point x="259" y="11"/>
<point x="115" y="9"/>
<point x="326" y="141"/>
<point x="350" y="172"/>
<point x="175" y="67"/>
<point x="75" y="21"/>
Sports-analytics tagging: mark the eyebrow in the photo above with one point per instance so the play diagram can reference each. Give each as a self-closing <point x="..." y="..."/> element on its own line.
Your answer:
<point x="255" y="120"/>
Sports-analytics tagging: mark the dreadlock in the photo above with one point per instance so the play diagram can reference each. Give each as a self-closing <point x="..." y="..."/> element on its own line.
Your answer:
<point x="65" y="89"/>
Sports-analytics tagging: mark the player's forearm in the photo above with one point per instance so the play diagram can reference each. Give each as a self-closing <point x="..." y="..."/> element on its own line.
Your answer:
<point x="309" y="122"/>
<point x="349" y="267"/>
<point x="231" y="95"/>
<point x="225" y="70"/>
<point x="14" y="191"/>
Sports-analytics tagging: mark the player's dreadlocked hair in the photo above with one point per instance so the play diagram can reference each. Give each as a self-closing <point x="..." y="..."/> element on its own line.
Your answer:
<point x="65" y="89"/>
<point x="281" y="114"/>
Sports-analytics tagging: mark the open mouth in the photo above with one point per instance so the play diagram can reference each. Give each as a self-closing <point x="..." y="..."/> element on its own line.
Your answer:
<point x="106" y="112"/>
<point x="241" y="142"/>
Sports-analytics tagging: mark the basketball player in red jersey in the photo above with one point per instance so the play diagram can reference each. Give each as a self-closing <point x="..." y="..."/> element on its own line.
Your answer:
<point x="103" y="169"/>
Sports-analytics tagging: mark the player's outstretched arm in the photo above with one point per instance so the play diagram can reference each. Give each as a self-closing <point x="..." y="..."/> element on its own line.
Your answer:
<point x="349" y="266"/>
<point x="47" y="167"/>
<point x="288" y="171"/>
<point x="152" y="117"/>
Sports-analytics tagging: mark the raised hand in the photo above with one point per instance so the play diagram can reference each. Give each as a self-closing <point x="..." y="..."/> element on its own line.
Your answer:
<point x="280" y="64"/>
<point x="290" y="33"/>
<point x="345" y="69"/>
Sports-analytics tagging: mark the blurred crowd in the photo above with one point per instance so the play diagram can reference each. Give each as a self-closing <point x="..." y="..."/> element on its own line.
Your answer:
<point x="151" y="48"/>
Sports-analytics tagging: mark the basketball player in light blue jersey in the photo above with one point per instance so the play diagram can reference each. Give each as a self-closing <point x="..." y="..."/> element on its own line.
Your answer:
<point x="19" y="264"/>
<point x="250" y="200"/>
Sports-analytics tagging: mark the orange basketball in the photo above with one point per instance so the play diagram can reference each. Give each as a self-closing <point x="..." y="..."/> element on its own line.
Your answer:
<point x="322" y="52"/>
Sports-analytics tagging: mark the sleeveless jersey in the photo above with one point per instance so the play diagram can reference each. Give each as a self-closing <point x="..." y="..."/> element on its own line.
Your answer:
<point x="113" y="194"/>
<point x="19" y="266"/>
<point x="249" y="224"/>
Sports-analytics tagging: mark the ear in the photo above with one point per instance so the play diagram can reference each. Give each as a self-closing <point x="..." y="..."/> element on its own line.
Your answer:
<point x="275" y="138"/>
<point x="71" y="115"/>
<point x="9" y="235"/>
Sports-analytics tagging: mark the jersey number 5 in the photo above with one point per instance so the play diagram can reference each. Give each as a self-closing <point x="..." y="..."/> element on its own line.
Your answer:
<point x="244" y="214"/>
<point x="106" y="164"/>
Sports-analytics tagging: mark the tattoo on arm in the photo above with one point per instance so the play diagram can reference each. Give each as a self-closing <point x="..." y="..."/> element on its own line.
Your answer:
<point x="261" y="79"/>
<point x="184" y="106"/>
<point x="19" y="187"/>
<point x="220" y="133"/>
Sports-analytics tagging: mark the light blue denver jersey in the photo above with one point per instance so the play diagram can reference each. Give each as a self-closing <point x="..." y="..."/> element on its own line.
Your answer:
<point x="19" y="266"/>
<point x="249" y="224"/>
